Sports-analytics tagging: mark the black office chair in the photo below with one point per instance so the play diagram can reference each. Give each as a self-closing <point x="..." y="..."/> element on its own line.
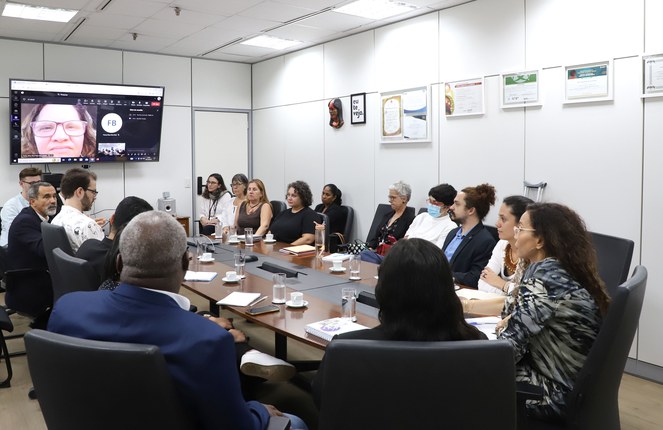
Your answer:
<point x="73" y="274"/>
<point x="54" y="236"/>
<point x="493" y="231"/>
<point x="86" y="384"/>
<point x="29" y="293"/>
<point x="422" y="210"/>
<point x="372" y="384"/>
<point x="614" y="256"/>
<point x="277" y="207"/>
<point x="594" y="401"/>
<point x="6" y="325"/>
<point x="380" y="212"/>
<point x="349" y="223"/>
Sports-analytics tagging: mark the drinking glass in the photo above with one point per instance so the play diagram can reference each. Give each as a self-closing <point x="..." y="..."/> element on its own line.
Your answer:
<point x="278" y="289"/>
<point x="248" y="237"/>
<point x="349" y="303"/>
<point x="355" y="267"/>
<point x="319" y="240"/>
<point x="240" y="261"/>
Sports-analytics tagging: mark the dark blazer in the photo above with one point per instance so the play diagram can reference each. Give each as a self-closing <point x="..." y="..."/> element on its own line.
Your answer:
<point x="397" y="229"/>
<point x="471" y="256"/>
<point x="199" y="353"/>
<point x="337" y="217"/>
<point x="95" y="251"/>
<point x="25" y="249"/>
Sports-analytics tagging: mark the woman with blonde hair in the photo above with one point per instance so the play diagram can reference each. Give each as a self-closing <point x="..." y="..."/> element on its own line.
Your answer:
<point x="255" y="212"/>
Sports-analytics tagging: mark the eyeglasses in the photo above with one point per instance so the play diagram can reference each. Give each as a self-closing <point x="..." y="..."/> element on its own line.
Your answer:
<point x="392" y="197"/>
<point x="48" y="128"/>
<point x="236" y="184"/>
<point x="212" y="183"/>
<point x="30" y="182"/>
<point x="517" y="230"/>
<point x="95" y="192"/>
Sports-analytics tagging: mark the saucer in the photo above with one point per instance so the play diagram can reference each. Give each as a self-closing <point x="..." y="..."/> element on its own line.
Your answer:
<point x="270" y="241"/>
<point x="337" y="269"/>
<point x="205" y="260"/>
<point x="355" y="278"/>
<point x="290" y="305"/>
<point x="233" y="242"/>
<point x="224" y="279"/>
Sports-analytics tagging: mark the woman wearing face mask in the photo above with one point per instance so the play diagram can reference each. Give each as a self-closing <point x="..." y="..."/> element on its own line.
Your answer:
<point x="435" y="224"/>
<point x="504" y="269"/>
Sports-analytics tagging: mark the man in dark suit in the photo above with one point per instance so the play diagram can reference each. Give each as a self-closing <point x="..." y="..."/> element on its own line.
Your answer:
<point x="25" y="248"/>
<point x="469" y="247"/>
<point x="145" y="308"/>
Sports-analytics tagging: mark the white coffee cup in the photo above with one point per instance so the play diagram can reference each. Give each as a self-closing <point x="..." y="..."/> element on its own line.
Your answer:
<point x="297" y="298"/>
<point x="231" y="275"/>
<point x="269" y="237"/>
<point x="206" y="256"/>
<point x="338" y="264"/>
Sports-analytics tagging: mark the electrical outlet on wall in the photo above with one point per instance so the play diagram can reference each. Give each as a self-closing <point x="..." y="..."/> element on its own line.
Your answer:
<point x="187" y="182"/>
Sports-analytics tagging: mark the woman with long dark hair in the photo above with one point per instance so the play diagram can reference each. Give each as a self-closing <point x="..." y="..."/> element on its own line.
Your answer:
<point x="331" y="206"/>
<point x="560" y="304"/>
<point x="415" y="293"/>
<point x="215" y="201"/>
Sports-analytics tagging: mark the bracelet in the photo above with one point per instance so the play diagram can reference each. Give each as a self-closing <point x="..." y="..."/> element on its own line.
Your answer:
<point x="505" y="287"/>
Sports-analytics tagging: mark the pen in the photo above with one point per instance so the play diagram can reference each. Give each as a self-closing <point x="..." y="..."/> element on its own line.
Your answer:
<point x="256" y="301"/>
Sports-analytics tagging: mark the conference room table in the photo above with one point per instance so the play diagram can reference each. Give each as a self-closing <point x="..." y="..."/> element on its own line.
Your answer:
<point x="321" y="289"/>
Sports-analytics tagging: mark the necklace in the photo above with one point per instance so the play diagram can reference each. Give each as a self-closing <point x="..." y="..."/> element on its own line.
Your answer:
<point x="252" y="209"/>
<point x="509" y="264"/>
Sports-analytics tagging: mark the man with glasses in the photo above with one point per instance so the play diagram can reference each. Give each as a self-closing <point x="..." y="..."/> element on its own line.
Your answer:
<point x="79" y="189"/>
<point x="16" y="204"/>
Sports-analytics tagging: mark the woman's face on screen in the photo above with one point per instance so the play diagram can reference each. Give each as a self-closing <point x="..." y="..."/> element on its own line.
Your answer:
<point x="59" y="131"/>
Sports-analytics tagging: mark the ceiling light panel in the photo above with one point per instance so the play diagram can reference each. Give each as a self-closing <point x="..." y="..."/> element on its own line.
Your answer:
<point x="40" y="13"/>
<point x="375" y="9"/>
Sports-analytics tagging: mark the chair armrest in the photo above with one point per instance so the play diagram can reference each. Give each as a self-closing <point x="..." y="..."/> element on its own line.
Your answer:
<point x="278" y="423"/>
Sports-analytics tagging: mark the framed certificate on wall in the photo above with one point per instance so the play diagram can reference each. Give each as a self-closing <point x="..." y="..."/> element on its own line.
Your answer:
<point x="591" y="82"/>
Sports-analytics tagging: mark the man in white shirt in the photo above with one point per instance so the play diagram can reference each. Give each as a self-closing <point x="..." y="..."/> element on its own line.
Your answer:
<point x="79" y="189"/>
<point x="16" y="204"/>
<point x="435" y="224"/>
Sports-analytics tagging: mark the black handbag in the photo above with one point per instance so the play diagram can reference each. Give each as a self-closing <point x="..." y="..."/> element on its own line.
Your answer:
<point x="353" y="247"/>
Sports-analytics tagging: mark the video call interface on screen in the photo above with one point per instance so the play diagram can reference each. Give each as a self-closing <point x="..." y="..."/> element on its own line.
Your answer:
<point x="60" y="122"/>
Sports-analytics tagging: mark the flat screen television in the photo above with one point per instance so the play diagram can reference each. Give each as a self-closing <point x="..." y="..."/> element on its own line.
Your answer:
<point x="73" y="122"/>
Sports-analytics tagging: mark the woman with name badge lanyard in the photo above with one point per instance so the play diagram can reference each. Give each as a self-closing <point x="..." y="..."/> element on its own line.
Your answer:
<point x="215" y="199"/>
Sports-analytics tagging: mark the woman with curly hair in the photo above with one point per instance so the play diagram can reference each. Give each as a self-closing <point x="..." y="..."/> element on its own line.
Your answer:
<point x="58" y="130"/>
<point x="297" y="224"/>
<point x="560" y="304"/>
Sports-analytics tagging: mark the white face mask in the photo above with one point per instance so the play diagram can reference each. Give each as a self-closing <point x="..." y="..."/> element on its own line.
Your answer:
<point x="434" y="211"/>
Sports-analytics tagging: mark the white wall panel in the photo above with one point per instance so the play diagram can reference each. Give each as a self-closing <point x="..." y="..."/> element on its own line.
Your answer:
<point x="653" y="28"/>
<point x="174" y="73"/>
<point x="481" y="38"/>
<point x="650" y="348"/>
<point x="591" y="152"/>
<point x="303" y="76"/>
<point x="562" y="32"/>
<point x="269" y="150"/>
<point x="406" y="54"/>
<point x="268" y="83"/>
<point x="74" y="63"/>
<point x="21" y="60"/>
<point x="350" y="164"/>
<point x="350" y="65"/>
<point x="171" y="173"/>
<point x="488" y="148"/>
<point x="217" y="84"/>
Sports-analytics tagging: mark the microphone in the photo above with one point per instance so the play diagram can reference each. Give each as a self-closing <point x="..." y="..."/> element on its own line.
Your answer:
<point x="207" y="247"/>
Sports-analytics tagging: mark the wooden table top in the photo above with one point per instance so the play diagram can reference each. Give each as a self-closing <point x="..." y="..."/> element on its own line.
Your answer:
<point x="288" y="321"/>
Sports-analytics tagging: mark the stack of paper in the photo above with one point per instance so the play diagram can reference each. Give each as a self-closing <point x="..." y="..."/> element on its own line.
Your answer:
<point x="470" y="294"/>
<point x="238" y="298"/>
<point x="329" y="328"/>
<point x="199" y="276"/>
<point x="298" y="250"/>
<point x="486" y="325"/>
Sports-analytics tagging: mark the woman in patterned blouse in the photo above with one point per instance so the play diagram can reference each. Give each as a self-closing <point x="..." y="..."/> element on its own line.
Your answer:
<point x="559" y="307"/>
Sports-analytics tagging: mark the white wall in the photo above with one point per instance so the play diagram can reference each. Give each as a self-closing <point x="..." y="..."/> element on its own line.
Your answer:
<point x="603" y="159"/>
<point x="190" y="84"/>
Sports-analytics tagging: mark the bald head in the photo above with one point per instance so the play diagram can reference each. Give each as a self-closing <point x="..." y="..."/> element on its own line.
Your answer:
<point x="153" y="251"/>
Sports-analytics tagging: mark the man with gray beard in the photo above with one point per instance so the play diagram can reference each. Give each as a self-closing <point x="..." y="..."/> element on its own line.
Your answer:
<point x="25" y="247"/>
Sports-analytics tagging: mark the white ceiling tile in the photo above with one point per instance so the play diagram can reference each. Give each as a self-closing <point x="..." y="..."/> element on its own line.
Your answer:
<point x="229" y="57"/>
<point x="187" y="16"/>
<point x="301" y="32"/>
<point x="313" y="4"/>
<point x="239" y="49"/>
<point x="140" y="8"/>
<point x="246" y="26"/>
<point x="107" y="19"/>
<point x="142" y="43"/>
<point x="174" y="30"/>
<point x="93" y="32"/>
<point x="275" y="11"/>
<point x="219" y="7"/>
